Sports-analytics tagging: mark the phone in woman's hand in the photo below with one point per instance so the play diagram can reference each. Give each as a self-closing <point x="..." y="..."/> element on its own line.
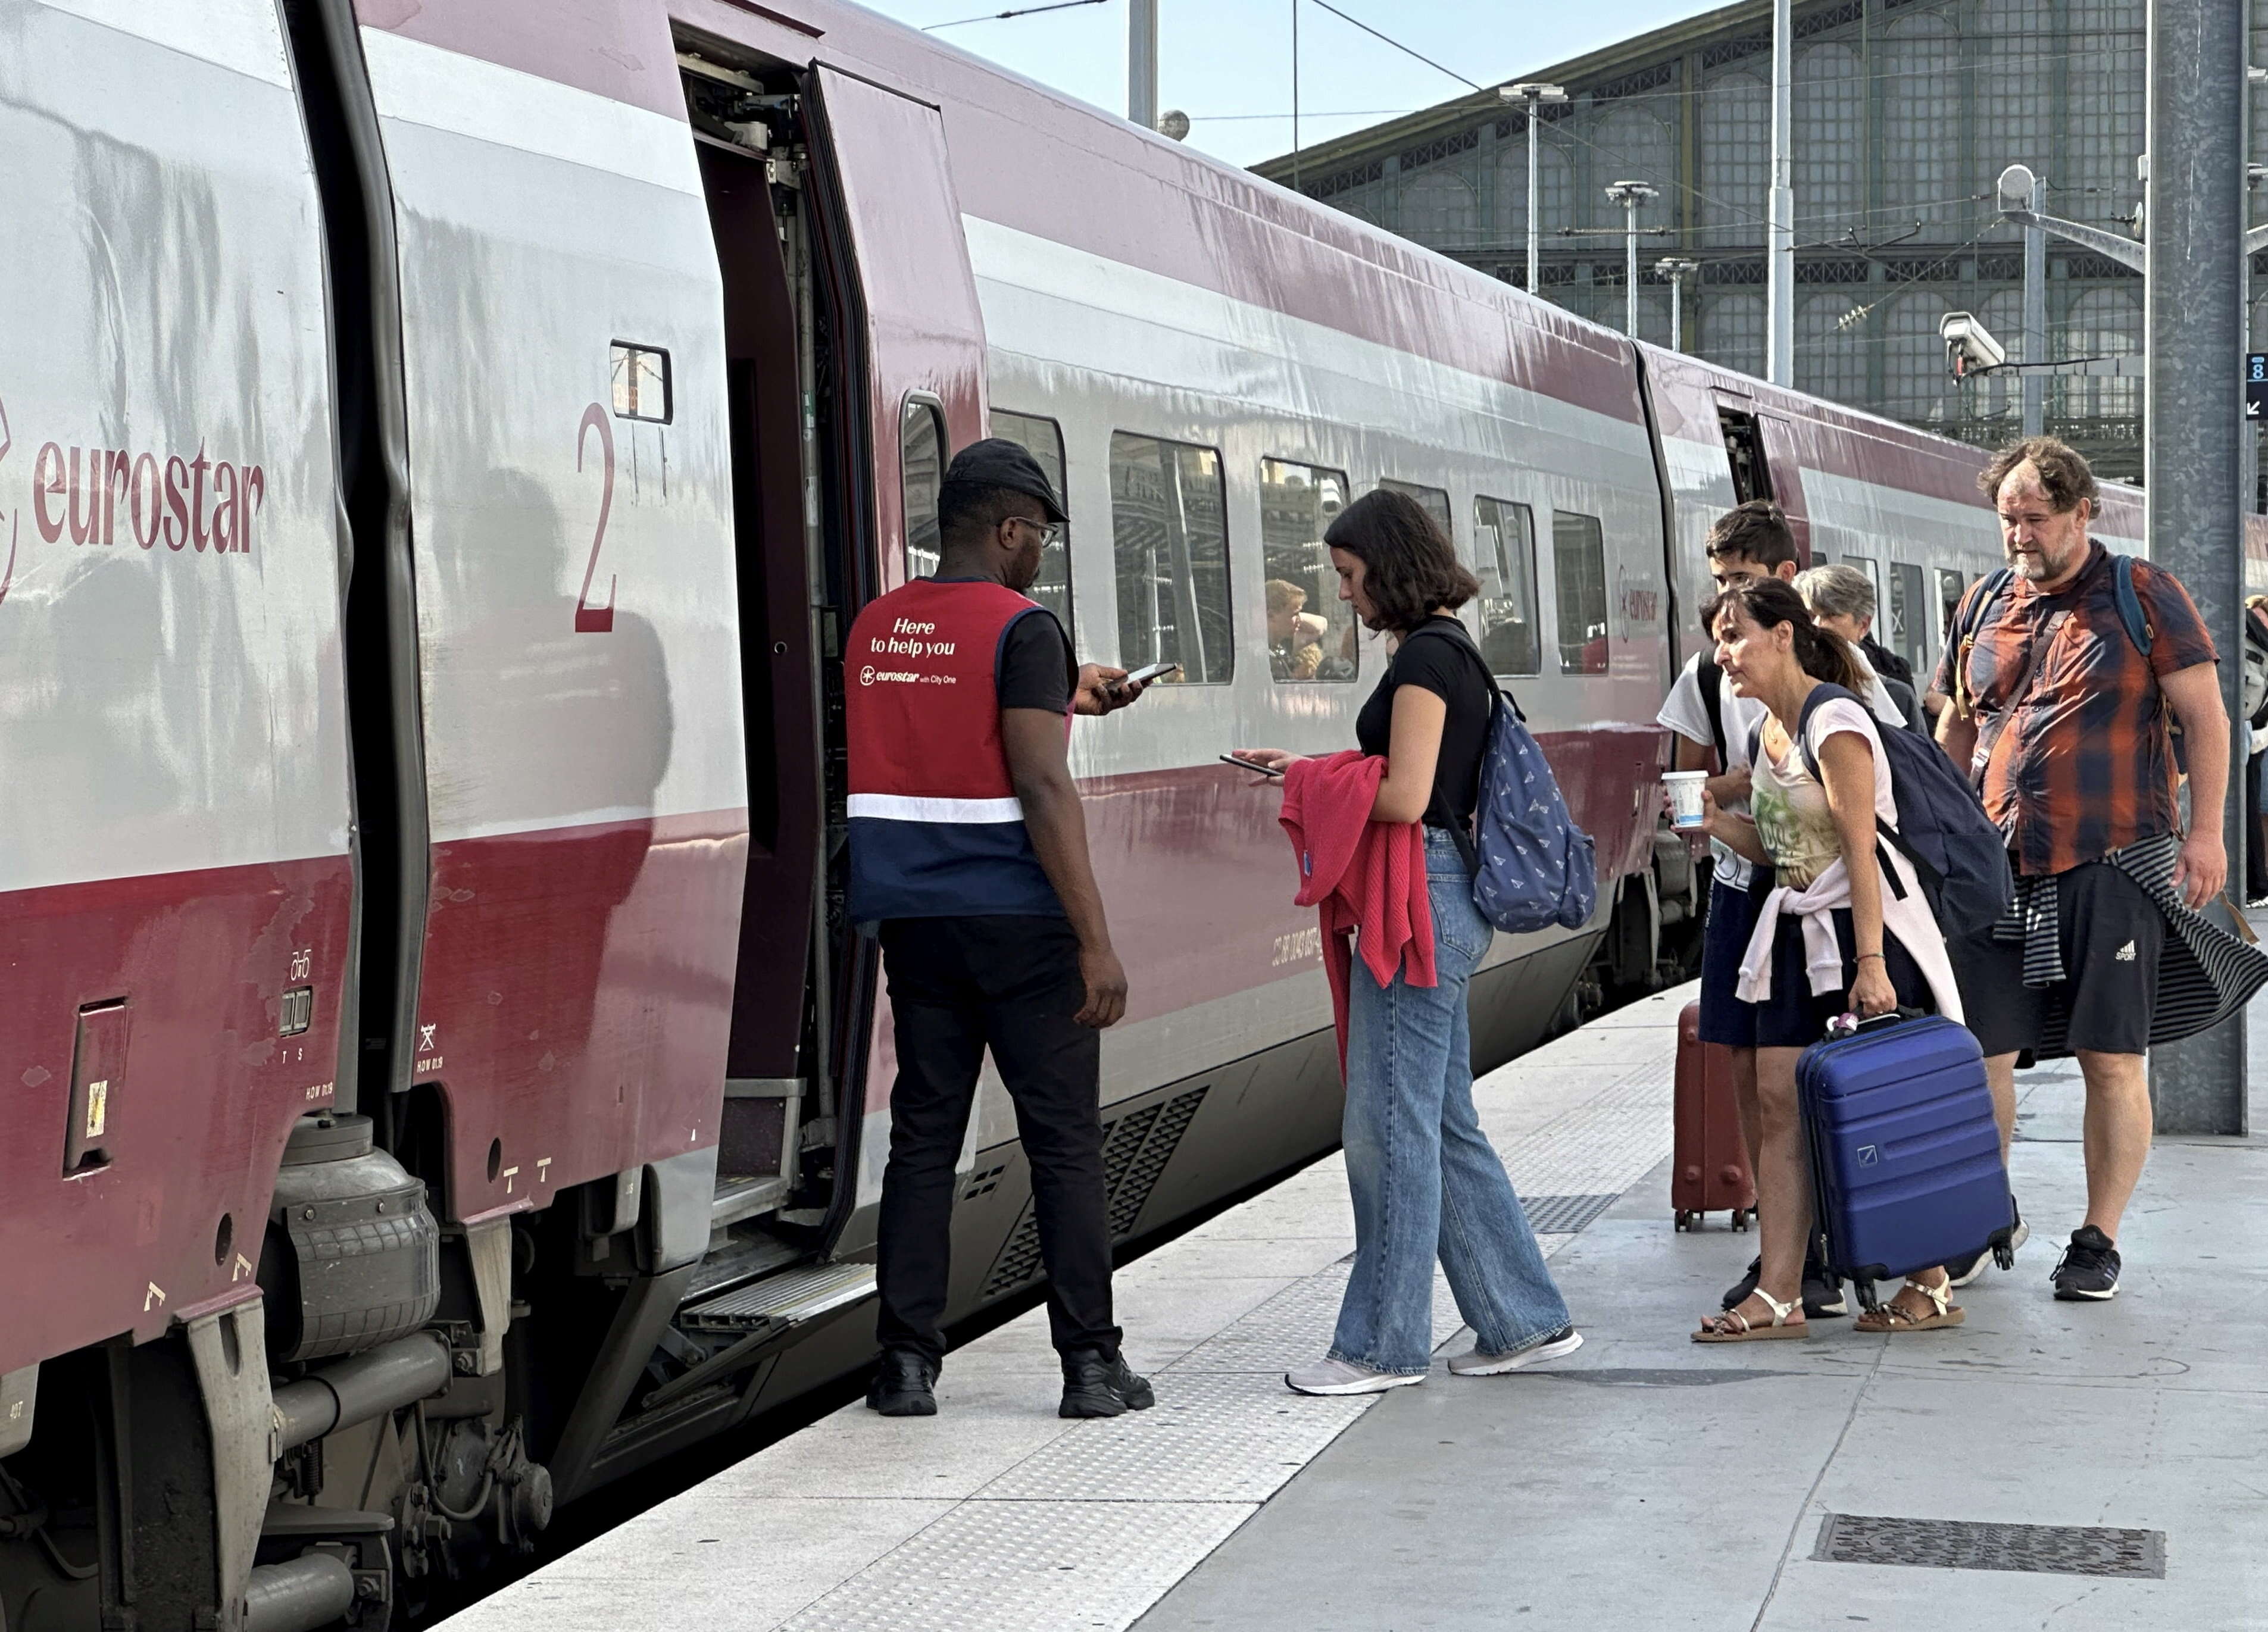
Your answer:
<point x="1243" y="763"/>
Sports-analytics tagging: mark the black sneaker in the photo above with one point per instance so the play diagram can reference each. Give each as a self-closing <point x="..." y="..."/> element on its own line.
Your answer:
<point x="1822" y="1294"/>
<point x="1099" y="1385"/>
<point x="903" y="1384"/>
<point x="2088" y="1270"/>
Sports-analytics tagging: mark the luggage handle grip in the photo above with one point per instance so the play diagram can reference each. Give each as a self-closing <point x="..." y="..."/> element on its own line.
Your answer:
<point x="1847" y="1024"/>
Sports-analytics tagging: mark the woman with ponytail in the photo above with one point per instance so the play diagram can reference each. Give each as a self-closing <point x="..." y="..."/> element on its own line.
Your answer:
<point x="1832" y="936"/>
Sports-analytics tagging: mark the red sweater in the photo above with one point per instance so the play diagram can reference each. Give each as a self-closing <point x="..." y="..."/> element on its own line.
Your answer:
<point x="1363" y="877"/>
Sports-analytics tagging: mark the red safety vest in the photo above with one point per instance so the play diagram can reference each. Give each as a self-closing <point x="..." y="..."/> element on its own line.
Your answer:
<point x="936" y="828"/>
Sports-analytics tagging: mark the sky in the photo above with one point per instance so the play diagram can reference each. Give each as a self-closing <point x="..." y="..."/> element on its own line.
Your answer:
<point x="1227" y="63"/>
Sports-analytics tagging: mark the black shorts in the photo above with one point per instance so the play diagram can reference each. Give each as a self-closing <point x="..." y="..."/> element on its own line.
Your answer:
<point x="2112" y="935"/>
<point x="1725" y="1019"/>
<point x="1793" y="1018"/>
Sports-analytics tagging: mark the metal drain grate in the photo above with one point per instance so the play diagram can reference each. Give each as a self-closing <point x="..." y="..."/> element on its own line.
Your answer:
<point x="1563" y="1215"/>
<point x="1957" y="1544"/>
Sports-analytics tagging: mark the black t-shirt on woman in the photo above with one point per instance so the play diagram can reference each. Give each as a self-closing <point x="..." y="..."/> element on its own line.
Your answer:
<point x="1454" y="677"/>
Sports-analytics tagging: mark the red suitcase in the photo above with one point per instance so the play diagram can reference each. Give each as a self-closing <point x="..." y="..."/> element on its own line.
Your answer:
<point x="1710" y="1170"/>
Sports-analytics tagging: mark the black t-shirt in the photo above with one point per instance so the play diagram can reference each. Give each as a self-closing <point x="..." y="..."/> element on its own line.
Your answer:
<point x="1035" y="669"/>
<point x="1454" y="676"/>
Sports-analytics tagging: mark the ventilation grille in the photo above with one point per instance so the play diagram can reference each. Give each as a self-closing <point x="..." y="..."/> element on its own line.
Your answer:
<point x="1956" y="1544"/>
<point x="1136" y="1149"/>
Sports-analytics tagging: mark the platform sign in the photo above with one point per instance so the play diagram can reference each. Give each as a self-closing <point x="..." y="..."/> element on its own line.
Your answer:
<point x="2256" y="384"/>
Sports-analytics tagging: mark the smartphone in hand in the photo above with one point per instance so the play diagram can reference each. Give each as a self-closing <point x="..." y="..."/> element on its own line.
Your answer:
<point x="1250" y="765"/>
<point x="1142" y="676"/>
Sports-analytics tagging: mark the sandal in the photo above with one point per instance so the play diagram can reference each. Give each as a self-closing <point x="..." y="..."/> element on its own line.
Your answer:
<point x="1721" y="1328"/>
<point x="1887" y="1317"/>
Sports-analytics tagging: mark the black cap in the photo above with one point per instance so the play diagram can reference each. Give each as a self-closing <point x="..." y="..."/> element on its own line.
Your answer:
<point x="997" y="462"/>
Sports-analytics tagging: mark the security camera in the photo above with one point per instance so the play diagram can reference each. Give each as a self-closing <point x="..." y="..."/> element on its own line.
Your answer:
<point x="1969" y="345"/>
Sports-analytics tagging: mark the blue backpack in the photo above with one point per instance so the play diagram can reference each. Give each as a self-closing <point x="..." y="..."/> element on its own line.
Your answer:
<point x="1961" y="857"/>
<point x="1532" y="866"/>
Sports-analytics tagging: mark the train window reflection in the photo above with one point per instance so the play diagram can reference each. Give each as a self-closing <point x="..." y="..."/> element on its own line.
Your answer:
<point x="1504" y="550"/>
<point x="1578" y="562"/>
<point x="1434" y="501"/>
<point x="1043" y="439"/>
<point x="1169" y="547"/>
<point x="1949" y="602"/>
<point x="921" y="469"/>
<point x="1311" y="631"/>
<point x="1908" y="633"/>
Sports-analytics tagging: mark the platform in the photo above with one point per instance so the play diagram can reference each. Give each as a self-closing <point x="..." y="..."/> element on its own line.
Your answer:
<point x="2102" y="1464"/>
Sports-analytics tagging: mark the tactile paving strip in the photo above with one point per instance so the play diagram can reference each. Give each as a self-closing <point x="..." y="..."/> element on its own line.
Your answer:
<point x="1045" y="1566"/>
<point x="1958" y="1544"/>
<point x="1293" y="1327"/>
<point x="1603" y="1146"/>
<point x="1233" y="1436"/>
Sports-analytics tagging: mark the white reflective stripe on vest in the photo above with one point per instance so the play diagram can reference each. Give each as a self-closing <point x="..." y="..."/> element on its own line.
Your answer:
<point x="900" y="807"/>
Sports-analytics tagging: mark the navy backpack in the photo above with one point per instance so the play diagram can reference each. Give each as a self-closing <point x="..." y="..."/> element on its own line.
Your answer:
<point x="1942" y="829"/>
<point x="1532" y="866"/>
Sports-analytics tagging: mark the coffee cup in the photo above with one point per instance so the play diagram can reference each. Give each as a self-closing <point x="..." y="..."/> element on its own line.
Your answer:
<point x="1684" y="798"/>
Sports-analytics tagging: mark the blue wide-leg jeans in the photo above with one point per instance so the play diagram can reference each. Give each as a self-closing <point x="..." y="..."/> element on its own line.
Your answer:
<point x="1426" y="1180"/>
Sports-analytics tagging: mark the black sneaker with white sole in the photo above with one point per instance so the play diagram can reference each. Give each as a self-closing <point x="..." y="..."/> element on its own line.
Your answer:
<point x="2087" y="1273"/>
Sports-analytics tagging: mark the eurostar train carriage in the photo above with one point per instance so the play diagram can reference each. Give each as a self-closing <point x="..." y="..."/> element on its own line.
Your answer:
<point x="442" y="443"/>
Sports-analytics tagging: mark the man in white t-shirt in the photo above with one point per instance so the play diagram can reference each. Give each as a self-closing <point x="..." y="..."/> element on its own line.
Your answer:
<point x="1750" y="540"/>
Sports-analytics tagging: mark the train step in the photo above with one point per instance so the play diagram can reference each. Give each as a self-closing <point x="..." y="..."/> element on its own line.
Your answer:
<point x="782" y="1300"/>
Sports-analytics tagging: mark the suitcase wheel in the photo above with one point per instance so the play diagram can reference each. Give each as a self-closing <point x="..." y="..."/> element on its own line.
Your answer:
<point x="1741" y="1216"/>
<point x="1867" y="1298"/>
<point x="1685" y="1220"/>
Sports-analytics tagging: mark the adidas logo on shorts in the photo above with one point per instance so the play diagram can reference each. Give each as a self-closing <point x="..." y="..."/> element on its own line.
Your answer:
<point x="2125" y="955"/>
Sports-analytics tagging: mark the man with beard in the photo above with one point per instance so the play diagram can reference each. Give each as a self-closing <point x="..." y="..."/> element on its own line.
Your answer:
<point x="2065" y="673"/>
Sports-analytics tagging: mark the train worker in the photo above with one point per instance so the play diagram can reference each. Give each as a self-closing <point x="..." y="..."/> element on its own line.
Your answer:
<point x="1842" y="601"/>
<point x="1425" y="1181"/>
<point x="1844" y="927"/>
<point x="969" y="851"/>
<point x="2060" y="698"/>
<point x="1713" y="725"/>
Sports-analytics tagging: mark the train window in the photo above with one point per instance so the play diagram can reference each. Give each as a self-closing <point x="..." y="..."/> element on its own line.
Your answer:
<point x="1043" y="439"/>
<point x="1311" y="631"/>
<point x="1950" y="588"/>
<point x="1169" y="544"/>
<point x="1504" y="548"/>
<point x="1908" y="633"/>
<point x="1578" y="562"/>
<point x="641" y="382"/>
<point x="1434" y="501"/>
<point x="921" y="469"/>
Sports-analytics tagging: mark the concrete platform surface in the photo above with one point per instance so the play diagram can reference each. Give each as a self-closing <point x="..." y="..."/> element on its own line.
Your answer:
<point x="1643" y="1483"/>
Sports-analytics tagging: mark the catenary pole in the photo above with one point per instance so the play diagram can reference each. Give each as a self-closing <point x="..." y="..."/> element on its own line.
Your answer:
<point x="2192" y="417"/>
<point x="1142" y="63"/>
<point x="1533" y="93"/>
<point x="1779" y="207"/>
<point x="2035" y="313"/>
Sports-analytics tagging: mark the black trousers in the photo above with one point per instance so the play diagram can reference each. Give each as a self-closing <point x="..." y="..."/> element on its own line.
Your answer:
<point x="957" y="986"/>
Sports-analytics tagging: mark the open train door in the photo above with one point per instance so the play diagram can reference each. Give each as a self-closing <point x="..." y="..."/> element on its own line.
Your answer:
<point x="892" y="251"/>
<point x="1778" y="439"/>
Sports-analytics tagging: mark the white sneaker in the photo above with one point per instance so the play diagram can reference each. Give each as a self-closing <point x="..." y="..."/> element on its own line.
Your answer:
<point x="1343" y="1377"/>
<point x="1474" y="1363"/>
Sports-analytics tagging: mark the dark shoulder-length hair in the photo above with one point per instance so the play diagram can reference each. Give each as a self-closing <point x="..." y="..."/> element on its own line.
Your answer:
<point x="1408" y="565"/>
<point x="1769" y="602"/>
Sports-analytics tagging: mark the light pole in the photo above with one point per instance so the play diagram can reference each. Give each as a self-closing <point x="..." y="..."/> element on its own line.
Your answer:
<point x="1142" y="64"/>
<point x="1676" y="269"/>
<point x="1779" y="208"/>
<point x="1629" y="195"/>
<point x="1533" y="93"/>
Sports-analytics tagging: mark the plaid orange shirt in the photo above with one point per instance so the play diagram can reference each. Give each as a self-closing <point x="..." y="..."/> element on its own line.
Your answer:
<point x="2071" y="725"/>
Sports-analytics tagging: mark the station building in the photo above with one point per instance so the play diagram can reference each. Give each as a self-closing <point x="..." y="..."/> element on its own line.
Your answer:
<point x="1906" y="112"/>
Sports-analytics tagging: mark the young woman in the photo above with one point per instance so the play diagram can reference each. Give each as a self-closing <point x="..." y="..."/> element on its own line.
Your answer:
<point x="1829" y="938"/>
<point x="1426" y="1180"/>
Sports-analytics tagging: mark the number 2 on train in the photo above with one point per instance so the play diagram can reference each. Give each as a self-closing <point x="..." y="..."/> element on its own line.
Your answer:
<point x="590" y="619"/>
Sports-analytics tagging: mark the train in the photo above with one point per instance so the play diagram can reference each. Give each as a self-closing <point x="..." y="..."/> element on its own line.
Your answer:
<point x="442" y="445"/>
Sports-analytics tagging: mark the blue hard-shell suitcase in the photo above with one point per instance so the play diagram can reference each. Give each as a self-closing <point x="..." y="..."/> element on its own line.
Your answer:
<point x="1906" y="1157"/>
